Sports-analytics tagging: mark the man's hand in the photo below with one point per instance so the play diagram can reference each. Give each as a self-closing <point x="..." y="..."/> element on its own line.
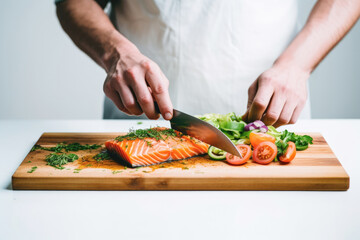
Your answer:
<point x="278" y="96"/>
<point x="134" y="82"/>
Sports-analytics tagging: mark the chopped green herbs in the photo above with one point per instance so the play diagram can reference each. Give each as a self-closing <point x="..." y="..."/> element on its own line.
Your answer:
<point x="115" y="172"/>
<point x="104" y="155"/>
<point x="32" y="169"/>
<point x="148" y="143"/>
<point x="146" y="171"/>
<point x="58" y="160"/>
<point x="147" y="133"/>
<point x="29" y="161"/>
<point x="66" y="147"/>
<point x="125" y="167"/>
<point x="139" y="123"/>
<point x="35" y="147"/>
<point x="185" y="168"/>
<point x="77" y="170"/>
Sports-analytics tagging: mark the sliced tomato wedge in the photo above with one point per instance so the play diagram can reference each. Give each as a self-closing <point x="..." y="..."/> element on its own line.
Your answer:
<point x="265" y="152"/>
<point x="245" y="151"/>
<point x="290" y="153"/>
<point x="257" y="137"/>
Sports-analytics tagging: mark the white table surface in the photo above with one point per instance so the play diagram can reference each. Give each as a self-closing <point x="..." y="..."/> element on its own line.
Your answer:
<point x="176" y="214"/>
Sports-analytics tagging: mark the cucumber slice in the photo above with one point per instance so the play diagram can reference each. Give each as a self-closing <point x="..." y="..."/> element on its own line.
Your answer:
<point x="216" y="153"/>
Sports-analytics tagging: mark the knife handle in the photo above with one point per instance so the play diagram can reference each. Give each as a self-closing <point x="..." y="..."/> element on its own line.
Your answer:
<point x="157" y="109"/>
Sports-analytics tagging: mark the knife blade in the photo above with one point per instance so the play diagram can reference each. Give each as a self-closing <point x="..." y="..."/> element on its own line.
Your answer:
<point x="203" y="131"/>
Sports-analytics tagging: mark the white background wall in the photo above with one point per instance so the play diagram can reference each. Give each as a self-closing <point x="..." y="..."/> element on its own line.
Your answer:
<point x="43" y="74"/>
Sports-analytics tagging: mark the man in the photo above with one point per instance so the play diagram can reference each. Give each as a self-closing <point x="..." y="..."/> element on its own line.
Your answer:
<point x="211" y="52"/>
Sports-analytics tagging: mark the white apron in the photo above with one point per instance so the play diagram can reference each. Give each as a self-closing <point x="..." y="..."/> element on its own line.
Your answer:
<point x="210" y="50"/>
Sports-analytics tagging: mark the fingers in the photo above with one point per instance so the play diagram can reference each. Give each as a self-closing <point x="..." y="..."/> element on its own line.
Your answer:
<point x="286" y="114"/>
<point x="128" y="99"/>
<point x="113" y="95"/>
<point x="274" y="109"/>
<point x="251" y="95"/>
<point x="135" y="78"/>
<point x="260" y="102"/>
<point x="295" y="116"/>
<point x="116" y="89"/>
<point x="159" y="89"/>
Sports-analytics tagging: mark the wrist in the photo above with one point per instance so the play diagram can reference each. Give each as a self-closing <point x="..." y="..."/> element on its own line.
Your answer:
<point x="287" y="62"/>
<point x="117" y="47"/>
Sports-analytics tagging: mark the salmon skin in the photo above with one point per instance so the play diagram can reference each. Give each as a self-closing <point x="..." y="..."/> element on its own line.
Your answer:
<point x="145" y="147"/>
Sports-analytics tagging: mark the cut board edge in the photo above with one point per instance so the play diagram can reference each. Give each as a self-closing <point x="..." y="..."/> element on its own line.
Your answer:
<point x="217" y="184"/>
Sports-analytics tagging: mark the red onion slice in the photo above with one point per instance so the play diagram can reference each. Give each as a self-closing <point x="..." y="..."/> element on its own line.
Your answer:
<point x="256" y="125"/>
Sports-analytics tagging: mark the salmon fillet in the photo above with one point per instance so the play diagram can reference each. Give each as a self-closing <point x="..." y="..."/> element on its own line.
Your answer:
<point x="155" y="145"/>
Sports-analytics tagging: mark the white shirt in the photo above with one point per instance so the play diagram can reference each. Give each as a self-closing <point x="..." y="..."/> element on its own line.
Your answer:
<point x="210" y="50"/>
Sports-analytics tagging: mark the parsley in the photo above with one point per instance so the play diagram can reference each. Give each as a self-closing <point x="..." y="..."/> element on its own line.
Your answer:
<point x="146" y="171"/>
<point x="66" y="147"/>
<point x="139" y="123"/>
<point x="301" y="141"/>
<point x="32" y="169"/>
<point x="185" y="168"/>
<point x="125" y="167"/>
<point x="58" y="160"/>
<point x="115" y="172"/>
<point x="147" y="133"/>
<point x="148" y="143"/>
<point x="102" y="156"/>
<point x="35" y="147"/>
<point x="77" y="170"/>
<point x="29" y="161"/>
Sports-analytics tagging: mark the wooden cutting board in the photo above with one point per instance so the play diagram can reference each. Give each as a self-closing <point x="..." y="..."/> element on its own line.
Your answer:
<point x="317" y="168"/>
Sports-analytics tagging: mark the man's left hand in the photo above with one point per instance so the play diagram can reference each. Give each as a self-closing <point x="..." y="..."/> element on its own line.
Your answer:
<point x="277" y="96"/>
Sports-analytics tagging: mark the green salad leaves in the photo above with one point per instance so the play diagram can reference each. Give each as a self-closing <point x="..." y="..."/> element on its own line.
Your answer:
<point x="233" y="127"/>
<point x="230" y="124"/>
<point x="282" y="138"/>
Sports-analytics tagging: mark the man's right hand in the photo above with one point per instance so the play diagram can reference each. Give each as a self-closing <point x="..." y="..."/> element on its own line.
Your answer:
<point x="134" y="83"/>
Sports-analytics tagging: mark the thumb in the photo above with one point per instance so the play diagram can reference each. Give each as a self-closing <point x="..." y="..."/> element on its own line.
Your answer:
<point x="245" y="116"/>
<point x="251" y="95"/>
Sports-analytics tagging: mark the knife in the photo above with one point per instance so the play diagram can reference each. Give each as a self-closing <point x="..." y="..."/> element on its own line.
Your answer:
<point x="203" y="131"/>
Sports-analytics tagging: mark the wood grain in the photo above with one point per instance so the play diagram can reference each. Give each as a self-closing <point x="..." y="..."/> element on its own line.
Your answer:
<point x="317" y="168"/>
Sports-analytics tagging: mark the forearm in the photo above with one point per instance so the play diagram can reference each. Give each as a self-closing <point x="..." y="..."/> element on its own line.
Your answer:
<point x="91" y="30"/>
<point x="327" y="24"/>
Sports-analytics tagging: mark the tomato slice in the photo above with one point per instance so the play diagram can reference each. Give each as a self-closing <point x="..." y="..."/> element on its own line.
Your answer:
<point x="290" y="153"/>
<point x="245" y="151"/>
<point x="257" y="137"/>
<point x="265" y="152"/>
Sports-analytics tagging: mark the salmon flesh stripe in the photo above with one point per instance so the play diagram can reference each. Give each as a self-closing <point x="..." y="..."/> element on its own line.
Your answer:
<point x="144" y="151"/>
